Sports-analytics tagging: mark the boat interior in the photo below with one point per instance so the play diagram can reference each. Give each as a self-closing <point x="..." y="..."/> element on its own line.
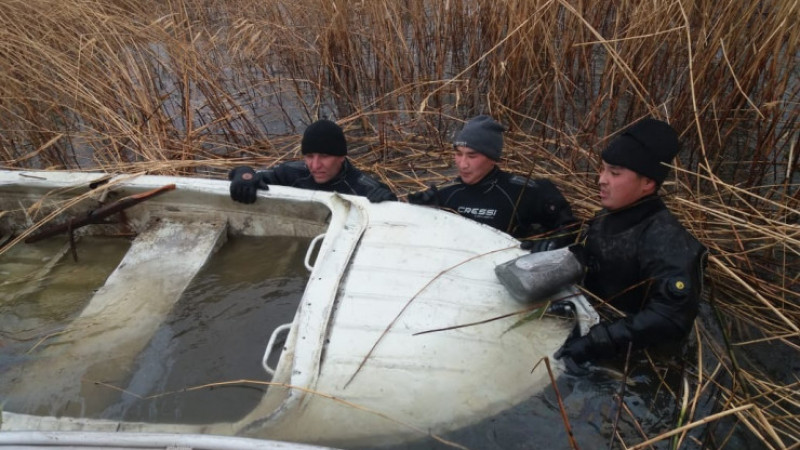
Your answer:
<point x="175" y="308"/>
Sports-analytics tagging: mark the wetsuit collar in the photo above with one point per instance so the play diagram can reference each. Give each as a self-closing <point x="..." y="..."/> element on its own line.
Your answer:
<point x="622" y="219"/>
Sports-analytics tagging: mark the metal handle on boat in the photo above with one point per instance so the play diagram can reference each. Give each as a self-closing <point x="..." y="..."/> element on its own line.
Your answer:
<point x="311" y="246"/>
<point x="271" y="344"/>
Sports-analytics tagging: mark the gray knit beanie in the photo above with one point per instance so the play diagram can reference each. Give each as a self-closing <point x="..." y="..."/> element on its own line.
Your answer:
<point x="483" y="135"/>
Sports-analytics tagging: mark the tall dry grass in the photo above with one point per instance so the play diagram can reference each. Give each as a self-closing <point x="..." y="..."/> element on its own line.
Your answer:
<point x="196" y="87"/>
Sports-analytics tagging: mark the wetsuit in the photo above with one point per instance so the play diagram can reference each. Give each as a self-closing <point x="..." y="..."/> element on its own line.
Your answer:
<point x="643" y="262"/>
<point x="508" y="202"/>
<point x="350" y="180"/>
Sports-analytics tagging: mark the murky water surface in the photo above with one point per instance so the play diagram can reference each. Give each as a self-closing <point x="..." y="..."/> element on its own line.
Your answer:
<point x="215" y="333"/>
<point x="42" y="287"/>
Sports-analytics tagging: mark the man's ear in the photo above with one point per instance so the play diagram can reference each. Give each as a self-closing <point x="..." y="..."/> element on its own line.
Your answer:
<point x="650" y="186"/>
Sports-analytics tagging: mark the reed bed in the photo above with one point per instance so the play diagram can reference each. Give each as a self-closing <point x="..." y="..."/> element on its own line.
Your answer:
<point x="194" y="88"/>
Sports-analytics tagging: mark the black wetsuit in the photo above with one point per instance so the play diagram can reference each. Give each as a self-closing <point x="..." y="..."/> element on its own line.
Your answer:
<point x="350" y="180"/>
<point x="510" y="203"/>
<point x="642" y="261"/>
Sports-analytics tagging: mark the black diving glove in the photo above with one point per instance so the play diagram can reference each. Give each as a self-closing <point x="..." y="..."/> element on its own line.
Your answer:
<point x="380" y="194"/>
<point x="597" y="344"/>
<point x="578" y="350"/>
<point x="244" y="184"/>
<point x="429" y="196"/>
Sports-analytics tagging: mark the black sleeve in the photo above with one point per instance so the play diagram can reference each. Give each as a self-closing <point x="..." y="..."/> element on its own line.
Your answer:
<point x="553" y="209"/>
<point x="673" y="262"/>
<point x="365" y="185"/>
<point x="545" y="208"/>
<point x="385" y="192"/>
<point x="284" y="174"/>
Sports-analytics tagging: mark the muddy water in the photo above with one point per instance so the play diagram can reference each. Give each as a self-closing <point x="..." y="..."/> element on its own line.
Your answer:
<point x="216" y="332"/>
<point x="42" y="287"/>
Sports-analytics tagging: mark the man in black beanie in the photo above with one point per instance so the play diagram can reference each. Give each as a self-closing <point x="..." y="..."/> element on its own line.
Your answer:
<point x="525" y="208"/>
<point x="325" y="167"/>
<point x="640" y="260"/>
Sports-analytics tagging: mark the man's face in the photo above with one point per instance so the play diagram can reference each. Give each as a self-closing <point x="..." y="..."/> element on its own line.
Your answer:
<point x="323" y="167"/>
<point x="472" y="166"/>
<point x="621" y="187"/>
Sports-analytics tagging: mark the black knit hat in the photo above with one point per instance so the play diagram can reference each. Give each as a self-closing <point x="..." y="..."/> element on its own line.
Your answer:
<point x="483" y="135"/>
<point x="644" y="147"/>
<point x="324" y="136"/>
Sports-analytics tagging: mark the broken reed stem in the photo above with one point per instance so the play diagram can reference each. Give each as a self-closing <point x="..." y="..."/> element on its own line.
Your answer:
<point x="562" y="410"/>
<point x="791" y="324"/>
<point x="621" y="395"/>
<point x="408" y="303"/>
<point x="695" y="424"/>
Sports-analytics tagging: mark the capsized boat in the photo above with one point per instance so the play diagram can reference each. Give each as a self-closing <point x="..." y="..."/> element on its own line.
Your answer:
<point x="401" y="329"/>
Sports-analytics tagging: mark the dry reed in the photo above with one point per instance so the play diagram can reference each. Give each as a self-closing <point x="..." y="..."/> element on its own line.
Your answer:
<point x="194" y="88"/>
